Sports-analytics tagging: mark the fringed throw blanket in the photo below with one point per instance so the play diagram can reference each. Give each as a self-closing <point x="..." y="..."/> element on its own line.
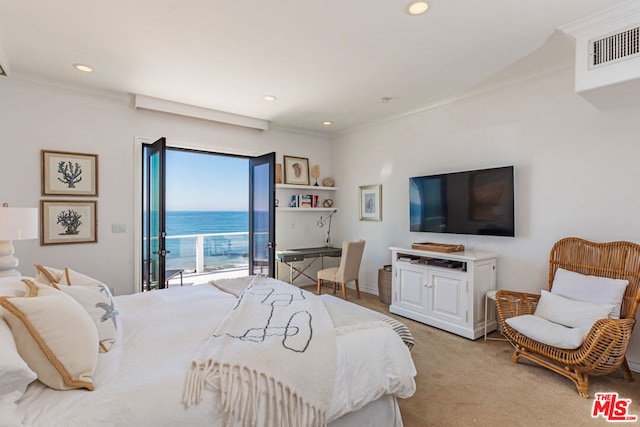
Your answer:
<point x="272" y="360"/>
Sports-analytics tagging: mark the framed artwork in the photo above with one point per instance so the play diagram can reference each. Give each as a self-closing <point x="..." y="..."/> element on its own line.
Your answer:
<point x="69" y="174"/>
<point x="296" y="170"/>
<point x="371" y="202"/>
<point x="68" y="221"/>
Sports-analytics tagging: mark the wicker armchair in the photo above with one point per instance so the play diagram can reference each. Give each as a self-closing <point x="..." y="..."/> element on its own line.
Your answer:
<point x="604" y="348"/>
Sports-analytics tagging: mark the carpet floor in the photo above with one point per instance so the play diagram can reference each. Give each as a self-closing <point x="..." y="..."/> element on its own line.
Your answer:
<point x="461" y="382"/>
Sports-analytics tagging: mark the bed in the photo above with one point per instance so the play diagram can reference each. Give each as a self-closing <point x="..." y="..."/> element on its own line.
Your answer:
<point x="143" y="379"/>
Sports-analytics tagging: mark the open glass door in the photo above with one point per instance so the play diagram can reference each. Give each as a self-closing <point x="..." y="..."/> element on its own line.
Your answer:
<point x="153" y="212"/>
<point x="262" y="217"/>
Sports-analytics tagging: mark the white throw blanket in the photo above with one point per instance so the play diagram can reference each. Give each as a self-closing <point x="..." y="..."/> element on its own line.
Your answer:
<point x="272" y="360"/>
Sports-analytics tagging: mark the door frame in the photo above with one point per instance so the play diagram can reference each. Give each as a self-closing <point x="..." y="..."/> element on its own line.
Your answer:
<point x="138" y="142"/>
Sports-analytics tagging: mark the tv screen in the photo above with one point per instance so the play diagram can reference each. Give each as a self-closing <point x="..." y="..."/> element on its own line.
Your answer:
<point x="471" y="202"/>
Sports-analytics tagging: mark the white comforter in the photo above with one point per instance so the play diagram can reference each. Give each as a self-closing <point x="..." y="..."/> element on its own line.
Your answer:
<point x="139" y="382"/>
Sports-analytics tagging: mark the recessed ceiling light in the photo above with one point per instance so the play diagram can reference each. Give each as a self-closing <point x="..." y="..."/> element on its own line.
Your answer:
<point x="417" y="7"/>
<point x="269" y="98"/>
<point x="327" y="123"/>
<point x="82" y="67"/>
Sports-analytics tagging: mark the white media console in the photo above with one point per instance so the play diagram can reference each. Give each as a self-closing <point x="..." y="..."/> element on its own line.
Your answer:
<point x="444" y="290"/>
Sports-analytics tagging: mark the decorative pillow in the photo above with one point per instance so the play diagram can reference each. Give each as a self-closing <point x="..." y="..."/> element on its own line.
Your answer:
<point x="547" y="332"/>
<point x="595" y="289"/>
<point x="48" y="275"/>
<point x="95" y="297"/>
<point x="15" y="376"/>
<point x="55" y="336"/>
<point x="13" y="286"/>
<point x="570" y="313"/>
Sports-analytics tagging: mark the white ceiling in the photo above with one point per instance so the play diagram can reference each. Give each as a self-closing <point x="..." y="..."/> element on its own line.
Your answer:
<point x="323" y="59"/>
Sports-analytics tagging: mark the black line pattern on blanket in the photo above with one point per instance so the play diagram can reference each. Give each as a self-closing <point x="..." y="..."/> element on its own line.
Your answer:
<point x="296" y="334"/>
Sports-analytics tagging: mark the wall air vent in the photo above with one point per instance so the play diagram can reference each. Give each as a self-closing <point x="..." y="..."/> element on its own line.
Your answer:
<point x="615" y="47"/>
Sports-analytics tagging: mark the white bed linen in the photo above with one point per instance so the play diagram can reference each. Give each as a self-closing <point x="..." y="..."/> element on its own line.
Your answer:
<point x="161" y="332"/>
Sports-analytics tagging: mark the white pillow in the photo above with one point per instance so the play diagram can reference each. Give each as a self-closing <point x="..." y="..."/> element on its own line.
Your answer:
<point x="547" y="332"/>
<point x="97" y="300"/>
<point x="595" y="289"/>
<point x="15" y="376"/>
<point x="55" y="336"/>
<point x="13" y="286"/>
<point x="48" y="275"/>
<point x="571" y="313"/>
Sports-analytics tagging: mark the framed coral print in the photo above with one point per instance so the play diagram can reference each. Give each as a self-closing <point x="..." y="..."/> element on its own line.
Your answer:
<point x="69" y="174"/>
<point x="371" y="202"/>
<point x="68" y="221"/>
<point x="296" y="170"/>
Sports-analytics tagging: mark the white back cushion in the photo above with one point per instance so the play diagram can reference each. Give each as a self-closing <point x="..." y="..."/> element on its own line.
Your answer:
<point x="571" y="313"/>
<point x="595" y="289"/>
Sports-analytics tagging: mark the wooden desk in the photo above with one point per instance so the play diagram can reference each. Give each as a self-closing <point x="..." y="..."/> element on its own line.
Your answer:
<point x="290" y="256"/>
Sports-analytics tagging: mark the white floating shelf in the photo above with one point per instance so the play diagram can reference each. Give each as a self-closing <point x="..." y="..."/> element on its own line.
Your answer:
<point x="287" y="209"/>
<point x="304" y="187"/>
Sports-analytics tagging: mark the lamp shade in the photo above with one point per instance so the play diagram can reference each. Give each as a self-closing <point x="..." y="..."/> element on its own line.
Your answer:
<point x="18" y="223"/>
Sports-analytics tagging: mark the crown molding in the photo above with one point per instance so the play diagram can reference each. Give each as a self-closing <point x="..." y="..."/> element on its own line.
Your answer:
<point x="622" y="15"/>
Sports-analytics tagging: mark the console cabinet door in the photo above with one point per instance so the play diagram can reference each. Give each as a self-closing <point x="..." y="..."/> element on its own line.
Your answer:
<point x="411" y="288"/>
<point x="447" y="296"/>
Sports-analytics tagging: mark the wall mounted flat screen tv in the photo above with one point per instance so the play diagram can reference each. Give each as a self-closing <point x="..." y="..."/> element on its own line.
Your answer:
<point x="471" y="202"/>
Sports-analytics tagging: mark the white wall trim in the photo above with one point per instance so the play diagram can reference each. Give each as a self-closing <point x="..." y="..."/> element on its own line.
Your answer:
<point x="621" y="15"/>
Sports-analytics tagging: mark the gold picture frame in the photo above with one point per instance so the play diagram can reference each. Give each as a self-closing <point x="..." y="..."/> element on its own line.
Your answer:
<point x="370" y="202"/>
<point x="68" y="221"/>
<point x="296" y="170"/>
<point x="69" y="174"/>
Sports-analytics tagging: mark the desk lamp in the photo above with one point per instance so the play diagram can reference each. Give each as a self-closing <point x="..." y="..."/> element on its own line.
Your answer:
<point x="15" y="224"/>
<point x="321" y="224"/>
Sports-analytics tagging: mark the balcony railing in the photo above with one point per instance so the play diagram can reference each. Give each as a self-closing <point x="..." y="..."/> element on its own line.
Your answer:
<point x="208" y="252"/>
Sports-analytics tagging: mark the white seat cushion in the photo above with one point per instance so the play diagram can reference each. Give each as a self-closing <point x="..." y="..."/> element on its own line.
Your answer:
<point x="595" y="289"/>
<point x="547" y="332"/>
<point x="328" y="274"/>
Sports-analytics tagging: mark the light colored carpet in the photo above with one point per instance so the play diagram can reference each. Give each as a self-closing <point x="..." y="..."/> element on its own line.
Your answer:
<point x="463" y="383"/>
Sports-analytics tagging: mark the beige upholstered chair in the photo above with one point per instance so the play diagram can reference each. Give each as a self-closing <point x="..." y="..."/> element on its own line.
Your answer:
<point x="604" y="348"/>
<point x="347" y="271"/>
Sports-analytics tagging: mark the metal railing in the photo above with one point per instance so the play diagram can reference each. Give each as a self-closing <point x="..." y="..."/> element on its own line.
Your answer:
<point x="208" y="252"/>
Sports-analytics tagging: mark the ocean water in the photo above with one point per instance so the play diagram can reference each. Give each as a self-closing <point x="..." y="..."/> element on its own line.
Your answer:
<point x="220" y="251"/>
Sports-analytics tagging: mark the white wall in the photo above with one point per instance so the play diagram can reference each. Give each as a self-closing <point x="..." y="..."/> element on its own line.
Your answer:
<point x="576" y="175"/>
<point x="34" y="117"/>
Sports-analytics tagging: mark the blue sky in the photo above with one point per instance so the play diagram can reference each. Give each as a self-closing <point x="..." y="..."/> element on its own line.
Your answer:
<point x="204" y="182"/>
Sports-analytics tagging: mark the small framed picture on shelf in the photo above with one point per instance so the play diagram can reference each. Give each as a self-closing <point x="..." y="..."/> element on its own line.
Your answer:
<point x="296" y="170"/>
<point x="68" y="221"/>
<point x="370" y="202"/>
<point x="69" y="174"/>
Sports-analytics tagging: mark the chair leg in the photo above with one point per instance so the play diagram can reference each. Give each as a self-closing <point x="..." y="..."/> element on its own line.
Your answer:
<point x="344" y="291"/>
<point x="319" y="284"/>
<point x="357" y="289"/>
<point x="334" y="288"/>
<point x="626" y="371"/>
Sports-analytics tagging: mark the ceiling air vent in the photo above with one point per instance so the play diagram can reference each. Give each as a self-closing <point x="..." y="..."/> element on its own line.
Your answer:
<point x="615" y="47"/>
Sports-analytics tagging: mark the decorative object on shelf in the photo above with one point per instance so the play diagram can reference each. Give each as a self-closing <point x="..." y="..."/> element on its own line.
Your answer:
<point x="68" y="221"/>
<point x="296" y="170"/>
<point x="321" y="223"/>
<point x="438" y="247"/>
<point x="278" y="173"/>
<point x="15" y="224"/>
<point x="315" y="173"/>
<point x="277" y="202"/>
<point x="327" y="203"/>
<point x="328" y="182"/>
<point x="371" y="202"/>
<point x="69" y="174"/>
